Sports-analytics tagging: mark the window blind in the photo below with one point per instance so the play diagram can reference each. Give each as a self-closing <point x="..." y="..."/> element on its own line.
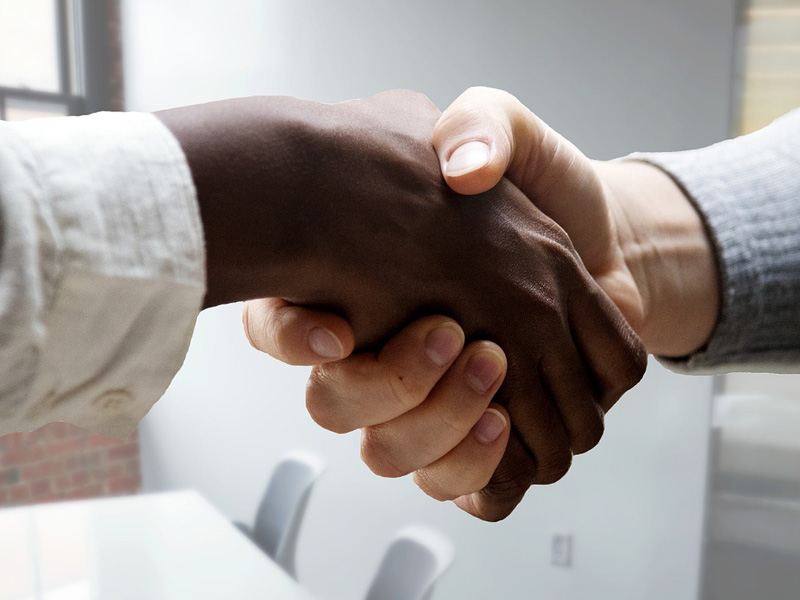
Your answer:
<point x="769" y="72"/>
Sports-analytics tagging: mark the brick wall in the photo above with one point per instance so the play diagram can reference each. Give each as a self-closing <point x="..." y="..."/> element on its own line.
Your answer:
<point x="63" y="462"/>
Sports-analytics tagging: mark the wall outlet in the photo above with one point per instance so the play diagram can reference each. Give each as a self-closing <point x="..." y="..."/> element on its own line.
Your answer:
<point x="561" y="550"/>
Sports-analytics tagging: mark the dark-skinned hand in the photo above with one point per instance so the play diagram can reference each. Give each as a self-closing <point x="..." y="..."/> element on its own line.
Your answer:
<point x="343" y="208"/>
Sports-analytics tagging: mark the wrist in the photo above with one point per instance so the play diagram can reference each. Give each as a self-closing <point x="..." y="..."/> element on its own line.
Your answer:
<point x="244" y="156"/>
<point x="669" y="255"/>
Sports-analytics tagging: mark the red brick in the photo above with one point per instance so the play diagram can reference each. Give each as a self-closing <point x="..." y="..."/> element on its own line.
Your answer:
<point x="42" y="470"/>
<point x="13" y="440"/>
<point x="80" y="478"/>
<point x="87" y="491"/>
<point x="34" y="437"/>
<point x="117" y="471"/>
<point x="9" y="477"/>
<point x="124" y="452"/>
<point x="46" y="499"/>
<point x="65" y="447"/>
<point x="100" y="441"/>
<point x="40" y="488"/>
<point x="57" y="431"/>
<point x="62" y="483"/>
<point x="3" y="497"/>
<point x="90" y="460"/>
<point x="19" y="494"/>
<point x="21" y="456"/>
<point x="133" y="470"/>
<point x="99" y="475"/>
<point x="60" y="431"/>
<point x="126" y="485"/>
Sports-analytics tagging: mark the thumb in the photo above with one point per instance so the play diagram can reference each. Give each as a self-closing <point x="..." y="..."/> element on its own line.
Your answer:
<point x="474" y="139"/>
<point x="488" y="133"/>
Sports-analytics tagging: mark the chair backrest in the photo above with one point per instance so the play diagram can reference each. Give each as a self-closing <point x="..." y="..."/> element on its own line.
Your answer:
<point x="413" y="563"/>
<point x="283" y="505"/>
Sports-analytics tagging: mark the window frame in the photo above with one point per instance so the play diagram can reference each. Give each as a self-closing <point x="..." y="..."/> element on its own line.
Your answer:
<point x="87" y="58"/>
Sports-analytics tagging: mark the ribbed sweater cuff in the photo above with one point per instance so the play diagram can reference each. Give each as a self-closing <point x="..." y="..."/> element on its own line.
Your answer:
<point x="748" y="191"/>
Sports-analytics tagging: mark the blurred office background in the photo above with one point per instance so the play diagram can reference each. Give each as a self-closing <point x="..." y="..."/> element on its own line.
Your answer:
<point x="694" y="491"/>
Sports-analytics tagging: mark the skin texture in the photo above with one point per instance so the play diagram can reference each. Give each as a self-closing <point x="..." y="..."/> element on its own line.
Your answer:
<point x="635" y="229"/>
<point x="344" y="208"/>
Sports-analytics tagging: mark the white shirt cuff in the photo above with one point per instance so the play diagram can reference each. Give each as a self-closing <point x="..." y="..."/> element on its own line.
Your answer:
<point x="102" y="269"/>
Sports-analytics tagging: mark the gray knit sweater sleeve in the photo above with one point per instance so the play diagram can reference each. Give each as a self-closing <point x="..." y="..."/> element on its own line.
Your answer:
<point x="748" y="191"/>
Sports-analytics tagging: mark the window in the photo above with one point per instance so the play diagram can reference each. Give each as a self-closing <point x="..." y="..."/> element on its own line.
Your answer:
<point x="59" y="57"/>
<point x="769" y="72"/>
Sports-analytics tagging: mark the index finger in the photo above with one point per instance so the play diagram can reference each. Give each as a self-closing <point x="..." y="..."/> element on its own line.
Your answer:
<point x="294" y="334"/>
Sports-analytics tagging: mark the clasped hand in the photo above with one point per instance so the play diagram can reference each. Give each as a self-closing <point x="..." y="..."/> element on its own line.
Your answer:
<point x="486" y="354"/>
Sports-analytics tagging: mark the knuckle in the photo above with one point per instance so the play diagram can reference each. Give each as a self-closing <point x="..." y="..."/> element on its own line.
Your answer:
<point x="508" y="484"/>
<point x="377" y="455"/>
<point x="430" y="487"/>
<point x="463" y="120"/>
<point x="485" y="94"/>
<point x="497" y="505"/>
<point x="270" y="330"/>
<point x="400" y="392"/>
<point x="452" y="424"/>
<point x="322" y="404"/>
<point x="553" y="468"/>
<point x="612" y="394"/>
<point x="561" y="247"/>
<point x="474" y="481"/>
<point x="494" y="514"/>
<point x="280" y="333"/>
<point x="637" y="366"/>
<point x="631" y="374"/>
<point x="247" y="325"/>
<point x="411" y="97"/>
<point x="589" y="437"/>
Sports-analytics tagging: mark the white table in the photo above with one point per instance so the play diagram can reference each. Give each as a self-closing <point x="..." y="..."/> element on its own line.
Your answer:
<point x="153" y="547"/>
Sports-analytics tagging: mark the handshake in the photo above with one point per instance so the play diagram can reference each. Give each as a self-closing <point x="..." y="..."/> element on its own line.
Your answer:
<point x="493" y="282"/>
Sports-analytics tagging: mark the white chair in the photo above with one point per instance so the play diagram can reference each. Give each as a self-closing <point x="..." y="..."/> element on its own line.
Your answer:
<point x="414" y="561"/>
<point x="283" y="505"/>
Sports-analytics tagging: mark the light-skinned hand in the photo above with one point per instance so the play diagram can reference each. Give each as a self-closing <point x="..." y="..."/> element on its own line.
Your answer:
<point x="561" y="414"/>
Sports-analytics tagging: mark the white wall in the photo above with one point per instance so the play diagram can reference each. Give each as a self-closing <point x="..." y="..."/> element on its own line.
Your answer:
<point x="615" y="76"/>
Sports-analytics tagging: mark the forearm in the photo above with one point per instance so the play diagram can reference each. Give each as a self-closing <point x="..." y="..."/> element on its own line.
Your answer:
<point x="247" y="156"/>
<point x="747" y="191"/>
<point x="668" y="252"/>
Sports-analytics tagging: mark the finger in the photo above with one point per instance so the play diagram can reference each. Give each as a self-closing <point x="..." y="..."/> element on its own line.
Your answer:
<point x="538" y="425"/>
<point x="565" y="378"/>
<point x="424" y="434"/>
<point x="509" y="483"/>
<point x="294" y="334"/>
<point x="469" y="466"/>
<point x="613" y="352"/>
<point x="487" y="133"/>
<point x="474" y="139"/>
<point x="367" y="389"/>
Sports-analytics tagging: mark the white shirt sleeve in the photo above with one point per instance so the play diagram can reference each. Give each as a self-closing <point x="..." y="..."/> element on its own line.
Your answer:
<point x="102" y="269"/>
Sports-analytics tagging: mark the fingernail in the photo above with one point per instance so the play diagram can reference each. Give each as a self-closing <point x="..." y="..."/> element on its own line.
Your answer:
<point x="483" y="370"/>
<point x="443" y="344"/>
<point x="490" y="426"/>
<point x="323" y="343"/>
<point x="467" y="158"/>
